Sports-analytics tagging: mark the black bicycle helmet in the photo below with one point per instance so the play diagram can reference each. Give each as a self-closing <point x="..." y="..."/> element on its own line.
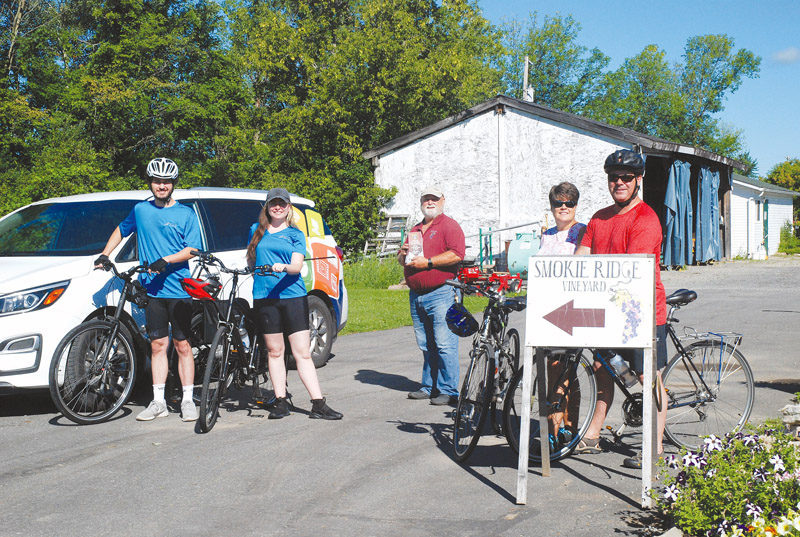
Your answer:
<point x="460" y="321"/>
<point x="624" y="160"/>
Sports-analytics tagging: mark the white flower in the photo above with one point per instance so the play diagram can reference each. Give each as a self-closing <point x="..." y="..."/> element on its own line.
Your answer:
<point x="759" y="474"/>
<point x="672" y="461"/>
<point x="783" y="526"/>
<point x="796" y="522"/>
<point x="712" y="443"/>
<point x="711" y="473"/>
<point x="750" y="439"/>
<point x="690" y="459"/>
<point x="777" y="463"/>
<point x="671" y="493"/>
<point x="753" y="510"/>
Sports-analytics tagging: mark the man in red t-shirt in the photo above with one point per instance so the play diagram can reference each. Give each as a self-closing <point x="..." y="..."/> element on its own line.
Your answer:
<point x="629" y="226"/>
<point x="426" y="270"/>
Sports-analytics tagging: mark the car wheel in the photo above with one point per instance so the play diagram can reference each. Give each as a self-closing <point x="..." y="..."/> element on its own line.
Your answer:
<point x="321" y="332"/>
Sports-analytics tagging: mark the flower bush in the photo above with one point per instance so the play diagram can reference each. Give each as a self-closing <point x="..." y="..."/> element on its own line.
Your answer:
<point x="745" y="484"/>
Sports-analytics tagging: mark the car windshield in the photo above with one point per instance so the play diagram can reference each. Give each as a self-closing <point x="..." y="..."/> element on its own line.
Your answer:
<point x="62" y="229"/>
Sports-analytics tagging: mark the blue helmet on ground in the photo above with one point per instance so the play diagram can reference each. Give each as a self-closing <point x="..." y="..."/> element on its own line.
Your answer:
<point x="460" y="321"/>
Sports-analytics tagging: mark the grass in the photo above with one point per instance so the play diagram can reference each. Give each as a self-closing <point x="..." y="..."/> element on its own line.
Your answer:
<point x="381" y="309"/>
<point x="372" y="306"/>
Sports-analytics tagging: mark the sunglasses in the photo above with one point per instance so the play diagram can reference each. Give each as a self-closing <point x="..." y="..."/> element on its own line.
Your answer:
<point x="626" y="178"/>
<point x="556" y="204"/>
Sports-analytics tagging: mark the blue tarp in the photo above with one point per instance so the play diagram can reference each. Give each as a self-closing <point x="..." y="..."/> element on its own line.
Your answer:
<point x="707" y="226"/>
<point x="677" y="247"/>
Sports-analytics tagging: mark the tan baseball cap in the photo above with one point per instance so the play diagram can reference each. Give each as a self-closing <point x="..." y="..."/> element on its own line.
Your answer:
<point x="431" y="191"/>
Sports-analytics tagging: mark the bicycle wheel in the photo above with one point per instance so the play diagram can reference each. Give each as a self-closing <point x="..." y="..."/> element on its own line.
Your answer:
<point x="217" y="378"/>
<point x="473" y="402"/>
<point x="572" y="390"/>
<point x="507" y="364"/>
<point x="720" y="405"/>
<point x="92" y="374"/>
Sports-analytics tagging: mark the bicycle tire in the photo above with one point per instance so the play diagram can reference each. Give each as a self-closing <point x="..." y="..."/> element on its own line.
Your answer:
<point x="582" y="397"/>
<point x="473" y="402"/>
<point x="507" y="365"/>
<point x="724" y="410"/>
<point x="217" y="377"/>
<point x="86" y="390"/>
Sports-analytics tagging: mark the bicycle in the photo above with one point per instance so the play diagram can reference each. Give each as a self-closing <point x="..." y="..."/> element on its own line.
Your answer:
<point x="494" y="357"/>
<point x="236" y="355"/>
<point x="94" y="367"/>
<point x="709" y="387"/>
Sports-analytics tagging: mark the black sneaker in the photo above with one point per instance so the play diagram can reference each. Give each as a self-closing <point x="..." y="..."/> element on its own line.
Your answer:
<point x="321" y="411"/>
<point x="444" y="399"/>
<point x="419" y="394"/>
<point x="280" y="410"/>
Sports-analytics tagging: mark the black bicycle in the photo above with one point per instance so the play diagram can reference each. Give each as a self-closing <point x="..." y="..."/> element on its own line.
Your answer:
<point x="709" y="386"/>
<point x="94" y="367"/>
<point x="494" y="358"/>
<point x="237" y="356"/>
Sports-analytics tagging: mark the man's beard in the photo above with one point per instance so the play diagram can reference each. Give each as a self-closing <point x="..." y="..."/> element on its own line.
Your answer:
<point x="432" y="212"/>
<point x="163" y="198"/>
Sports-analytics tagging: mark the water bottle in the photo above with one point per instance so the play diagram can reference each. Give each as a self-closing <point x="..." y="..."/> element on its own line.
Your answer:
<point x="622" y="369"/>
<point x="245" y="338"/>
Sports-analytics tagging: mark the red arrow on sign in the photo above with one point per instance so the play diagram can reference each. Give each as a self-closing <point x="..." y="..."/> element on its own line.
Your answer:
<point x="567" y="317"/>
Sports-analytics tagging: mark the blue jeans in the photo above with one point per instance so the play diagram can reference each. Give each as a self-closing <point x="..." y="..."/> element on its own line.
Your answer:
<point x="438" y="344"/>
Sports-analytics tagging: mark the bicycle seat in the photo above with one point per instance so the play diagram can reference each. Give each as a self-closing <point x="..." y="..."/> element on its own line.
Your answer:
<point x="516" y="303"/>
<point x="681" y="297"/>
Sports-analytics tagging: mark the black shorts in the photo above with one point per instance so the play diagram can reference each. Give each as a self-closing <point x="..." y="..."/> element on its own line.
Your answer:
<point x="281" y="315"/>
<point x="160" y="313"/>
<point x="635" y="357"/>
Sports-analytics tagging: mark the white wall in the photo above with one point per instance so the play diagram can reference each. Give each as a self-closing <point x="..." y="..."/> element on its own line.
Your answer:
<point x="496" y="171"/>
<point x="746" y="223"/>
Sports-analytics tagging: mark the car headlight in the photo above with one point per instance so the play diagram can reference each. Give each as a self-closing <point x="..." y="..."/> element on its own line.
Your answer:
<point x="31" y="299"/>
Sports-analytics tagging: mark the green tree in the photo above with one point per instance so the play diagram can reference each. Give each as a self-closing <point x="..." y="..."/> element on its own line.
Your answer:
<point x="787" y="175"/>
<point x="563" y="74"/>
<point x="711" y="70"/>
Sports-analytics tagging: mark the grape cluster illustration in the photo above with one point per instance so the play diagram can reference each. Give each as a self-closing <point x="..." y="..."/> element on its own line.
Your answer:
<point x="631" y="309"/>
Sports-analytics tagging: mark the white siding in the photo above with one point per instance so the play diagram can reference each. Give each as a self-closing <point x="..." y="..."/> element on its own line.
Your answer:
<point x="496" y="171"/>
<point x="747" y="228"/>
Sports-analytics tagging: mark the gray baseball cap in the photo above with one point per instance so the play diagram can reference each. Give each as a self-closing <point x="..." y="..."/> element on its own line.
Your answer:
<point x="278" y="193"/>
<point x="431" y="191"/>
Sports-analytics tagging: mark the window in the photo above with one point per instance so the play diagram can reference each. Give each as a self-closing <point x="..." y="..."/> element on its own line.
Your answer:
<point x="229" y="222"/>
<point x="758" y="210"/>
<point x="69" y="229"/>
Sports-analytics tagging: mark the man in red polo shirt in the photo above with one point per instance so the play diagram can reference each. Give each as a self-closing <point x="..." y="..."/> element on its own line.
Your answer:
<point x="443" y="248"/>
<point x="628" y="226"/>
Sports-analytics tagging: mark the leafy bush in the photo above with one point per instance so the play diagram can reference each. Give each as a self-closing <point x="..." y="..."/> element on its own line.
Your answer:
<point x="789" y="243"/>
<point x="743" y="484"/>
<point x="372" y="273"/>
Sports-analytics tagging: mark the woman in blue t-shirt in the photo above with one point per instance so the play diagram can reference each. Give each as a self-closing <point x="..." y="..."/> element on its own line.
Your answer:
<point x="281" y="303"/>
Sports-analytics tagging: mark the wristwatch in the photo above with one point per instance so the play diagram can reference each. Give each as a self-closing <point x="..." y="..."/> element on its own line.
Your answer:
<point x="430" y="263"/>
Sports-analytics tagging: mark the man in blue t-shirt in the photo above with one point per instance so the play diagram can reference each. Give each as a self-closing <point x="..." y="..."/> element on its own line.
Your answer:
<point x="167" y="232"/>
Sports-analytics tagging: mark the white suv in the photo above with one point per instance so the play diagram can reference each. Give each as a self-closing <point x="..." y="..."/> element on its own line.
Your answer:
<point x="48" y="284"/>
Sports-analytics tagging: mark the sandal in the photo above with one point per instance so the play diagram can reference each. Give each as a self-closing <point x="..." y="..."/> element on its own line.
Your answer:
<point x="588" y="446"/>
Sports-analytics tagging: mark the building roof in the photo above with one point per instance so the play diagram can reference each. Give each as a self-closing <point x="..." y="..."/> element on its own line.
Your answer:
<point x="647" y="144"/>
<point x="761" y="185"/>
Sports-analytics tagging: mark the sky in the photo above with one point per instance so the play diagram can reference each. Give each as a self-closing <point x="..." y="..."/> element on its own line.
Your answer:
<point x="767" y="108"/>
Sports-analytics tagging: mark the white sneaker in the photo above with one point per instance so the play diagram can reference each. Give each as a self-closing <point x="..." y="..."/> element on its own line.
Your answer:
<point x="154" y="410"/>
<point x="188" y="411"/>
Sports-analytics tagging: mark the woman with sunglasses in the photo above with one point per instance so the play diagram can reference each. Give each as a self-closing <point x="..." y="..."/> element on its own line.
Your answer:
<point x="562" y="239"/>
<point x="281" y="303"/>
<point x="566" y="235"/>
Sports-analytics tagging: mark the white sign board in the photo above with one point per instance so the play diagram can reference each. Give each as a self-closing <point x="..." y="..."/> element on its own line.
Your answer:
<point x="601" y="301"/>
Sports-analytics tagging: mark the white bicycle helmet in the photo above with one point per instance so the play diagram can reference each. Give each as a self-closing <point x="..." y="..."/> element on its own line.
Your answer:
<point x="162" y="168"/>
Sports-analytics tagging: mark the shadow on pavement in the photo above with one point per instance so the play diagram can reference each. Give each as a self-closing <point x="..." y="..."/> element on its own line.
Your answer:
<point x="783" y="385"/>
<point x="387" y="380"/>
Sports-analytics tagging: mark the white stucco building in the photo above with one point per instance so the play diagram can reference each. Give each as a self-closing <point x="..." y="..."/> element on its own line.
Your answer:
<point x="758" y="211"/>
<point x="497" y="161"/>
